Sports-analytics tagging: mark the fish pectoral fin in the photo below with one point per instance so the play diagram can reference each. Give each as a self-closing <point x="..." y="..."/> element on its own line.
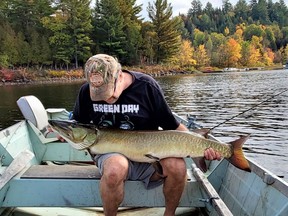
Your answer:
<point x="157" y="165"/>
<point x="152" y="157"/>
<point x="200" y="163"/>
<point x="159" y="169"/>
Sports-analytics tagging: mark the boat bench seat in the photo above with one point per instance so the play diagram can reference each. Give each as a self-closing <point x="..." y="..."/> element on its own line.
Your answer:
<point x="62" y="172"/>
<point x="69" y="172"/>
<point x="78" y="186"/>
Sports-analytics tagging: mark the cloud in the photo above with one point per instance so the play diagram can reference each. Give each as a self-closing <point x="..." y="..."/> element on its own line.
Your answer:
<point x="182" y="6"/>
<point x="178" y="6"/>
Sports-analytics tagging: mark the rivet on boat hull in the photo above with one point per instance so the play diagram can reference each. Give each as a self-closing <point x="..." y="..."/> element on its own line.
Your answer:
<point x="268" y="179"/>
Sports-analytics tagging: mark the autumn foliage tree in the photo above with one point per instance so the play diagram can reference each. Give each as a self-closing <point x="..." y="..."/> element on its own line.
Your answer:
<point x="201" y="56"/>
<point x="231" y="53"/>
<point x="185" y="56"/>
<point x="254" y="56"/>
<point x="286" y="53"/>
<point x="268" y="57"/>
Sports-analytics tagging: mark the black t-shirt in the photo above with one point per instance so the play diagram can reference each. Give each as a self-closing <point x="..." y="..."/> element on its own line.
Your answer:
<point x="141" y="106"/>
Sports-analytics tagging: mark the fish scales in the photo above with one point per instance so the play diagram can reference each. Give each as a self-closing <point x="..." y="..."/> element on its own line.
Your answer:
<point x="147" y="146"/>
<point x="160" y="144"/>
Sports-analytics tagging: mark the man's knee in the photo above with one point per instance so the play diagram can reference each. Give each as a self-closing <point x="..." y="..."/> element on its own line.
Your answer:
<point x="115" y="170"/>
<point x="174" y="166"/>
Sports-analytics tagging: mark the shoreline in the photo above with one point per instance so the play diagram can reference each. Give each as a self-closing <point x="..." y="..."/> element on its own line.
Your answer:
<point x="49" y="80"/>
<point x="43" y="81"/>
<point x="160" y="73"/>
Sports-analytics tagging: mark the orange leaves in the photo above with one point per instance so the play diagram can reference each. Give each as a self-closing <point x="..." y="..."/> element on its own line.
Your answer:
<point x="234" y="50"/>
<point x="185" y="56"/>
<point x="230" y="53"/>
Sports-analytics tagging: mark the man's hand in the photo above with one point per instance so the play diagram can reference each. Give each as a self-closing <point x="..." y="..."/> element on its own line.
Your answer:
<point x="211" y="154"/>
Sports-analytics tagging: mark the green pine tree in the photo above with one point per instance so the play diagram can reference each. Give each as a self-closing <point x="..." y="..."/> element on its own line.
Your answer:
<point x="109" y="33"/>
<point x="167" y="30"/>
<point x="132" y="31"/>
<point x="79" y="27"/>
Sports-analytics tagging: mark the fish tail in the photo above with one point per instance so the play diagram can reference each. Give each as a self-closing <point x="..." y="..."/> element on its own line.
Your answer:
<point x="238" y="159"/>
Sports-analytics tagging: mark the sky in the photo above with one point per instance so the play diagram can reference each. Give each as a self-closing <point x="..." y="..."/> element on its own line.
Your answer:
<point x="182" y="6"/>
<point x="178" y="6"/>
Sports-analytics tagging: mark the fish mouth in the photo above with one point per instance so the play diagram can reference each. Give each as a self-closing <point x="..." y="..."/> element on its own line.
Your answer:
<point x="66" y="128"/>
<point x="64" y="125"/>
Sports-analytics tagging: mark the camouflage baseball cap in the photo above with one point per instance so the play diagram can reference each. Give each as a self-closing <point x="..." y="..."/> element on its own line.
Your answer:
<point x="101" y="72"/>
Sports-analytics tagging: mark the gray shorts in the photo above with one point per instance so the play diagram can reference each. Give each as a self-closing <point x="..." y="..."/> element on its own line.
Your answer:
<point x="136" y="170"/>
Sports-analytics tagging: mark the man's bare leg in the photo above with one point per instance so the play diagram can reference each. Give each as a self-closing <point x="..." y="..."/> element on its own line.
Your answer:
<point x="112" y="183"/>
<point x="175" y="171"/>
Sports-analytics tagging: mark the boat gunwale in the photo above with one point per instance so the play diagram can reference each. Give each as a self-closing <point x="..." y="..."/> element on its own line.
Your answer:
<point x="261" y="172"/>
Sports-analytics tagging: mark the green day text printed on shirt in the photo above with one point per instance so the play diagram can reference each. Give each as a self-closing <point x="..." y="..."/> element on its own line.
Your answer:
<point x="116" y="108"/>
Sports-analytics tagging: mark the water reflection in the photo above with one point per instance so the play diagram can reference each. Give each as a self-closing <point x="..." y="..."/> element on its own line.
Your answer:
<point x="218" y="97"/>
<point x="51" y="95"/>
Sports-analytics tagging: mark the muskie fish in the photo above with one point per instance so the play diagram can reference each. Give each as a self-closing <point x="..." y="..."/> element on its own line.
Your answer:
<point x="147" y="146"/>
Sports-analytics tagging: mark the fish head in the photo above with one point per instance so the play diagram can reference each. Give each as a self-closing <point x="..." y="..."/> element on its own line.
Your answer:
<point x="80" y="136"/>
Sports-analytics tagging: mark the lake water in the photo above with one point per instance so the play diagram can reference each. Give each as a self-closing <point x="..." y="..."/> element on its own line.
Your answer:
<point x="213" y="98"/>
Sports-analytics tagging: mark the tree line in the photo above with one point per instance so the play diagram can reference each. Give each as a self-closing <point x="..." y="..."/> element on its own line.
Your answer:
<point x="59" y="34"/>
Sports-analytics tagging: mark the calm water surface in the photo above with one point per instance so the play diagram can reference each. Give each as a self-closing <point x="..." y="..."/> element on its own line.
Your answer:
<point x="213" y="98"/>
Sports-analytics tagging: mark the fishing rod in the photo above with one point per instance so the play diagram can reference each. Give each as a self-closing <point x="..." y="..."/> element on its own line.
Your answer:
<point x="248" y="109"/>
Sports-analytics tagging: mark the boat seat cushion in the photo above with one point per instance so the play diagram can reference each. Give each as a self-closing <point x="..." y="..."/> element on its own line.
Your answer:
<point x="33" y="110"/>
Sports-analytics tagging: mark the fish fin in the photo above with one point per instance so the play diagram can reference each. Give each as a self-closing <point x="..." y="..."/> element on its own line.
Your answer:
<point x="202" y="131"/>
<point x="238" y="159"/>
<point x="200" y="163"/>
<point x="152" y="157"/>
<point x="158" y="168"/>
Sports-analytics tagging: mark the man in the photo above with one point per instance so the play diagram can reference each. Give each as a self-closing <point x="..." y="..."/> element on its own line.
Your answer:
<point x="134" y="101"/>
